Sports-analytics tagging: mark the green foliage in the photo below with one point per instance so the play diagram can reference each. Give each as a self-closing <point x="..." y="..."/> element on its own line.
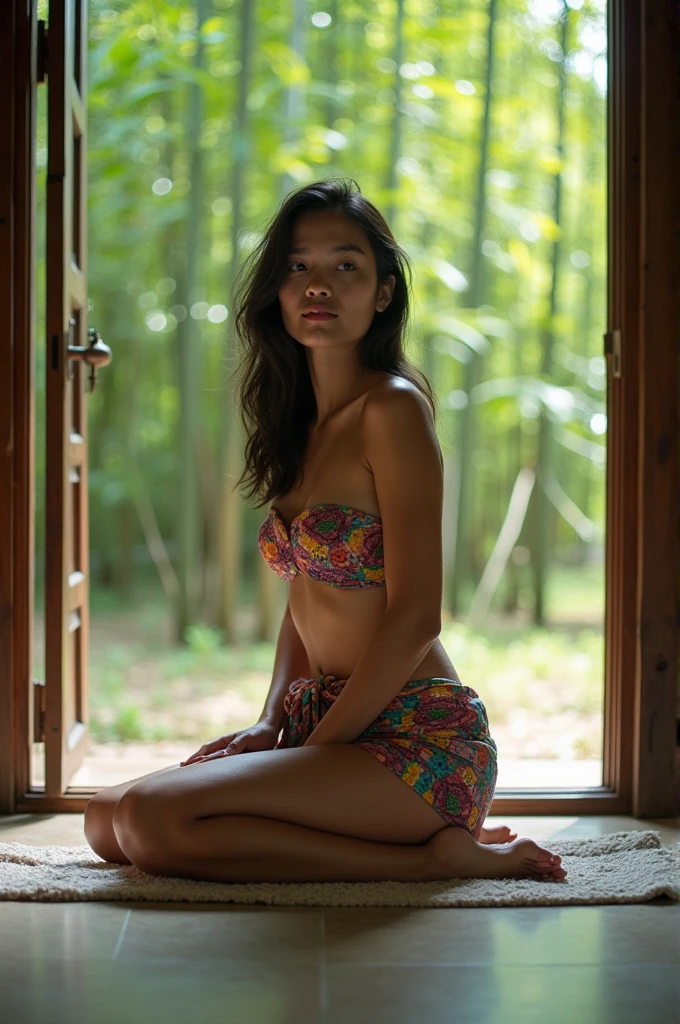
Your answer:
<point x="548" y="672"/>
<point x="173" y="692"/>
<point x="202" y="639"/>
<point x="322" y="103"/>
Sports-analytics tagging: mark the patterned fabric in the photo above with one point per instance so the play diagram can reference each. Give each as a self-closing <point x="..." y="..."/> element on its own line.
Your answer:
<point x="434" y="735"/>
<point x="334" y="544"/>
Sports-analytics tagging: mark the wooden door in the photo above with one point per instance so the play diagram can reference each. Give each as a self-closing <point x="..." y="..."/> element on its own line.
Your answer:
<point x="64" y="694"/>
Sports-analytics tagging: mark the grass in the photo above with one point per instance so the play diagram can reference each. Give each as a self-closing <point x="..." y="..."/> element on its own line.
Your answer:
<point x="144" y="687"/>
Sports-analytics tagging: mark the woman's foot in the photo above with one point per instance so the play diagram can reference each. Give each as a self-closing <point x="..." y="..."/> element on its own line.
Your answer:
<point x="499" y="834"/>
<point x="457" y="854"/>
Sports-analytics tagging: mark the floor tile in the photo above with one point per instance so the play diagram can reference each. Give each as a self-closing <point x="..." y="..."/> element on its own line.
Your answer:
<point x="60" y="931"/>
<point x="174" y="992"/>
<point x="508" y="936"/>
<point x="541" y="828"/>
<point x="43" y="829"/>
<point x="379" y="994"/>
<point x="223" y="933"/>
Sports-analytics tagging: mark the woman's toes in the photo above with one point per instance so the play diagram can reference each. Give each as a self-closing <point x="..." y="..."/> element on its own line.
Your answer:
<point x="551" y="869"/>
<point x="545" y="856"/>
<point x="497" y="834"/>
<point x="552" y="876"/>
<point x="540" y="863"/>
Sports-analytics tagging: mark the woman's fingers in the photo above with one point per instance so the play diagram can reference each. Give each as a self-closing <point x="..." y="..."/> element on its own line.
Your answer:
<point x="231" y="748"/>
<point x="259" y="737"/>
<point x="208" y="749"/>
<point x="226" y="752"/>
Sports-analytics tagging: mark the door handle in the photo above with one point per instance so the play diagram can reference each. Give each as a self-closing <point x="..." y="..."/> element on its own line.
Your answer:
<point x="97" y="354"/>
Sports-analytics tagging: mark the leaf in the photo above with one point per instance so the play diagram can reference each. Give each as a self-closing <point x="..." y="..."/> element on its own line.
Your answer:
<point x="569" y="510"/>
<point x="520" y="253"/>
<point x="581" y="445"/>
<point x="563" y="403"/>
<point x="214" y="30"/>
<point x="547" y="226"/>
<point x="450" y="275"/>
<point x="147" y="89"/>
<point x="290" y="67"/>
<point x="458" y="329"/>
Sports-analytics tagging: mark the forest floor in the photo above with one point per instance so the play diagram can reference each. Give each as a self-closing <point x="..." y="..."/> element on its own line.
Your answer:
<point x="543" y="688"/>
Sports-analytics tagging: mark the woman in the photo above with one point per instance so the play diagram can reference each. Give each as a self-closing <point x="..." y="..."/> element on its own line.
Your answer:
<point x="363" y="697"/>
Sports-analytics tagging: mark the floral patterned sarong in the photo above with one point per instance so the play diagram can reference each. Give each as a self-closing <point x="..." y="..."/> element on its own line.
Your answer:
<point x="434" y="735"/>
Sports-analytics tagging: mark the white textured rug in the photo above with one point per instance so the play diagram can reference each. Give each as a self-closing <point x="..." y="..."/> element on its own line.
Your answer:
<point x="622" y="867"/>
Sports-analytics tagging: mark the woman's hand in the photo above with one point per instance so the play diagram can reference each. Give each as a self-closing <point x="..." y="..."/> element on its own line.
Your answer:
<point x="260" y="736"/>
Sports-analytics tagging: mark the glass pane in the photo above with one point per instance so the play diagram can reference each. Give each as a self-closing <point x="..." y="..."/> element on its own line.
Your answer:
<point x="485" y="147"/>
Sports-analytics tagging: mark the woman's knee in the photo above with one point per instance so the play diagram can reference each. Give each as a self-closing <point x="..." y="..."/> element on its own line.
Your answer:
<point x="99" y="814"/>
<point x="98" y="810"/>
<point x="99" y="828"/>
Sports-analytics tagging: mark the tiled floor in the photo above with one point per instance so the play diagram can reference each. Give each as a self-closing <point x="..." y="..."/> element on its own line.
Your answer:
<point x="139" y="963"/>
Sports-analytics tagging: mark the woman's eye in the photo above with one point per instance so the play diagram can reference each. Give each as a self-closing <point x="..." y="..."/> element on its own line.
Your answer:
<point x="345" y="263"/>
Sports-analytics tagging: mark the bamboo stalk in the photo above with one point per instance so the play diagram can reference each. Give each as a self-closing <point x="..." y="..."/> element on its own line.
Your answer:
<point x="505" y="542"/>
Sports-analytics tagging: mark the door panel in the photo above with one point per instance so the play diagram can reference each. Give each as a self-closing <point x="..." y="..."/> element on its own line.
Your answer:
<point x="66" y="538"/>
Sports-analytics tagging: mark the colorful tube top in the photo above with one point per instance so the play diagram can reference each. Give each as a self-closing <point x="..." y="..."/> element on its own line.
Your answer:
<point x="334" y="544"/>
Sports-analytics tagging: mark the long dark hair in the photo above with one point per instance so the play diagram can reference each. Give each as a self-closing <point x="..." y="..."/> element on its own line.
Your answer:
<point x="276" y="398"/>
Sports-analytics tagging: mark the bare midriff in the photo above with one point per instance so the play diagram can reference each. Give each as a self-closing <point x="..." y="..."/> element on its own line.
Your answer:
<point x="336" y="625"/>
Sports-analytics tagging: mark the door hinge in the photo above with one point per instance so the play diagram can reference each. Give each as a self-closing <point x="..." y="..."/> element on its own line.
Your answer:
<point x="43" y="52"/>
<point x="612" y="348"/>
<point x="39" y="706"/>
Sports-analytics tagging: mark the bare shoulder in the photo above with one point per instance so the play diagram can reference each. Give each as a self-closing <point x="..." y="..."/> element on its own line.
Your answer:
<point x="396" y="410"/>
<point x="397" y="398"/>
<point x="394" y="392"/>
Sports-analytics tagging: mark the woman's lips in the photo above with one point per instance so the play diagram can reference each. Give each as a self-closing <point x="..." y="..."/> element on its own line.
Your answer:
<point x="319" y="316"/>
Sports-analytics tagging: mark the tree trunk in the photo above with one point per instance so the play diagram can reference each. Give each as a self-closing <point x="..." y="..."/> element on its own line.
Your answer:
<point x="126" y="520"/>
<point x="395" y="133"/>
<point x="231" y="505"/>
<point x="189" y="369"/>
<point x="462" y="559"/>
<point x="543" y="514"/>
<point x="585" y="234"/>
<point x="333" y="9"/>
<point x="294" y="96"/>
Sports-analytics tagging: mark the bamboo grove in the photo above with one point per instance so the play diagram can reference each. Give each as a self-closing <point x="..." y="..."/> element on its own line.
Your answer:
<point x="479" y="128"/>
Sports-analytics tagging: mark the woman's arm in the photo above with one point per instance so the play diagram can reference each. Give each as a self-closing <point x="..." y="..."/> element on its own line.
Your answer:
<point x="290" y="663"/>
<point x="402" y="451"/>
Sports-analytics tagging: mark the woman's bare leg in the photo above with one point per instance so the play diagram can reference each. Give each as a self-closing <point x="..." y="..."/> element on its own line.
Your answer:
<point x="246" y="848"/>
<point x="99" y="818"/>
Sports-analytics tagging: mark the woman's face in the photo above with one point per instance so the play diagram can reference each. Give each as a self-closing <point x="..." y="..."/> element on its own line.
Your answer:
<point x="331" y="264"/>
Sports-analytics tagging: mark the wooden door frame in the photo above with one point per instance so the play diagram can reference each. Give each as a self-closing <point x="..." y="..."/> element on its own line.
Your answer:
<point x="18" y="55"/>
<point x="641" y="616"/>
<point x="64" y="720"/>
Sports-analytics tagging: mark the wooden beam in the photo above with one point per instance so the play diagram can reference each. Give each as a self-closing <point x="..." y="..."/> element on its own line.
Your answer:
<point x="657" y="371"/>
<point x="8" y="44"/>
<point x="18" y="29"/>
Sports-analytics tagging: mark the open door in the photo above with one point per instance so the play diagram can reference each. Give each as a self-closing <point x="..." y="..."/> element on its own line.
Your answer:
<point x="61" y="702"/>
